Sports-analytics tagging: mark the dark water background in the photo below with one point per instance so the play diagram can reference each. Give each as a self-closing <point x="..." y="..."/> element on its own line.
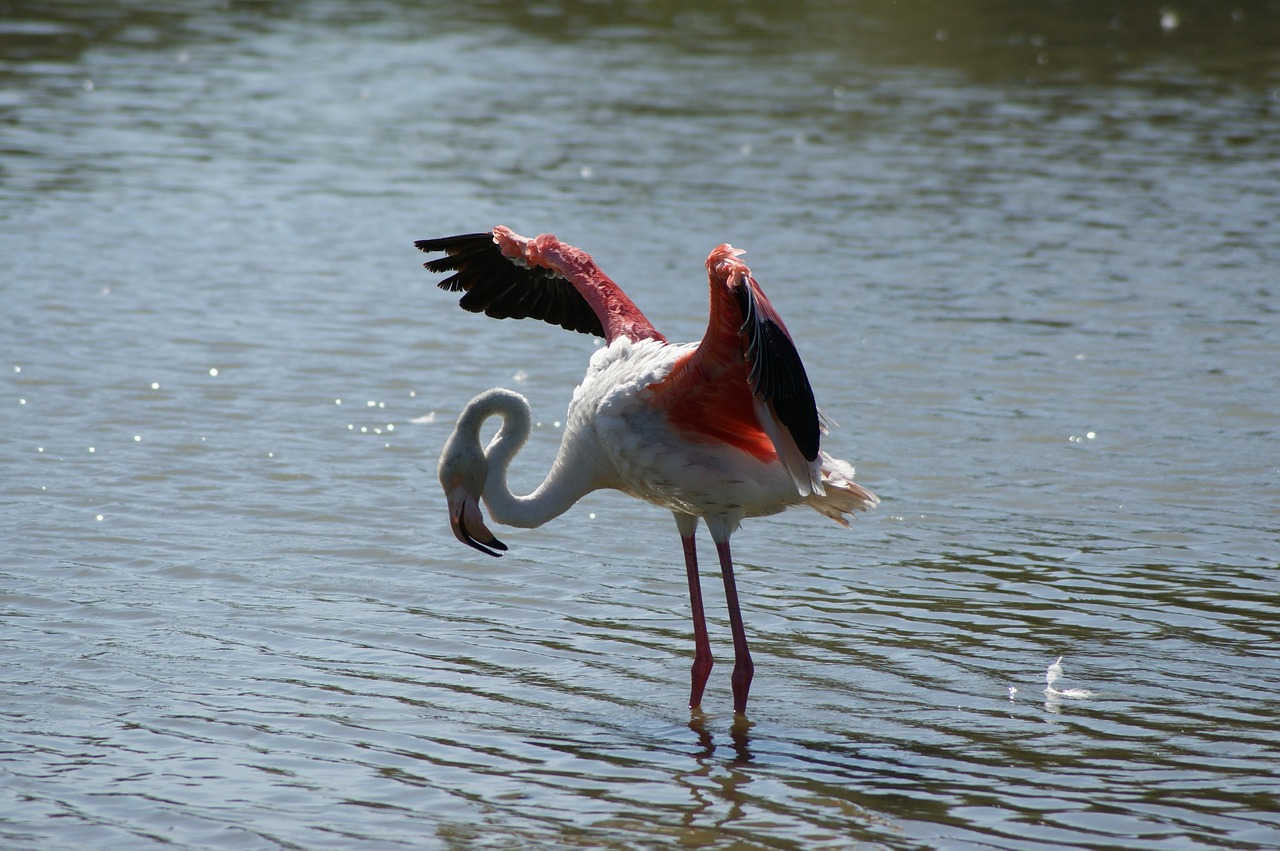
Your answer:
<point x="1031" y="255"/>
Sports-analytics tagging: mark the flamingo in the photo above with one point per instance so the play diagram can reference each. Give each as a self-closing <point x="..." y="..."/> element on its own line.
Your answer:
<point x="719" y="430"/>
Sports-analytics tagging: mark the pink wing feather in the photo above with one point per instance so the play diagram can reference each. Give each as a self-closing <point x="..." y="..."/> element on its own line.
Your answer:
<point x="508" y="276"/>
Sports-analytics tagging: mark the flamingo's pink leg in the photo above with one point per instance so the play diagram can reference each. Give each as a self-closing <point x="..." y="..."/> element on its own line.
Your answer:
<point x="702" y="660"/>
<point x="743" y="667"/>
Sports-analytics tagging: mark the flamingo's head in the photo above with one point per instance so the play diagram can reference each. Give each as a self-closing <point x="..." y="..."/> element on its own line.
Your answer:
<point x="723" y="262"/>
<point x="468" y="521"/>
<point x="462" y="471"/>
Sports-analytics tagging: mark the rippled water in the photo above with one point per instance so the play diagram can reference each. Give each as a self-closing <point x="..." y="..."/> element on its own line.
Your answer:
<point x="1030" y="257"/>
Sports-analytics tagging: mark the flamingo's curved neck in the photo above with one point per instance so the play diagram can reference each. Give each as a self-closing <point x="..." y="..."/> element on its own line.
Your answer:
<point x="563" y="486"/>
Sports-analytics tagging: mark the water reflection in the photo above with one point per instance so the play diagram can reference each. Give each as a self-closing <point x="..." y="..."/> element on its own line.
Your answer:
<point x="739" y="736"/>
<point x="708" y="773"/>
<point x="1093" y="41"/>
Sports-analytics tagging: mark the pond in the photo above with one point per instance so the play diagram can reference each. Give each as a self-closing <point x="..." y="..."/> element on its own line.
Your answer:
<point x="1029" y="256"/>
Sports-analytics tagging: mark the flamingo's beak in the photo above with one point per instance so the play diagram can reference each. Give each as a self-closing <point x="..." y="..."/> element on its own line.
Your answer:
<point x="468" y="522"/>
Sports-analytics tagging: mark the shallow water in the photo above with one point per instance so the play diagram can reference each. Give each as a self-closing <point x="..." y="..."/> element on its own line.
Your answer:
<point x="1030" y="259"/>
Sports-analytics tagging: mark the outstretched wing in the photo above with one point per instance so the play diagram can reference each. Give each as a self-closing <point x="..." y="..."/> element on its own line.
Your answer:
<point x="508" y="275"/>
<point x="498" y="286"/>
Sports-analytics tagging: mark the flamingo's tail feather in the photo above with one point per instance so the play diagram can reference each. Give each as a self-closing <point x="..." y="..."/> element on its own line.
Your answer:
<point x="841" y="497"/>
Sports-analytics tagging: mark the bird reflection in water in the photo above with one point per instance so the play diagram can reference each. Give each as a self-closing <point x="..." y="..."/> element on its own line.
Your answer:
<point x="714" y="783"/>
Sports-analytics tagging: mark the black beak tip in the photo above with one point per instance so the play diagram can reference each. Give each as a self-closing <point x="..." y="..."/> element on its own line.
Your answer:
<point x="495" y="543"/>
<point x="465" y="537"/>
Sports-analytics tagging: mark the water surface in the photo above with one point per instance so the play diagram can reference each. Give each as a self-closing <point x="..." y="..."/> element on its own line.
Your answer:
<point x="1029" y="257"/>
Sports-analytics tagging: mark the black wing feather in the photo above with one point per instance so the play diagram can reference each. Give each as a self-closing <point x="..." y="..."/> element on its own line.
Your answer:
<point x="497" y="287"/>
<point x="777" y="374"/>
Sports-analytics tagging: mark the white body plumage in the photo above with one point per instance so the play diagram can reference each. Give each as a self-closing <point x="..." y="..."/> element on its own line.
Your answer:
<point x="615" y="438"/>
